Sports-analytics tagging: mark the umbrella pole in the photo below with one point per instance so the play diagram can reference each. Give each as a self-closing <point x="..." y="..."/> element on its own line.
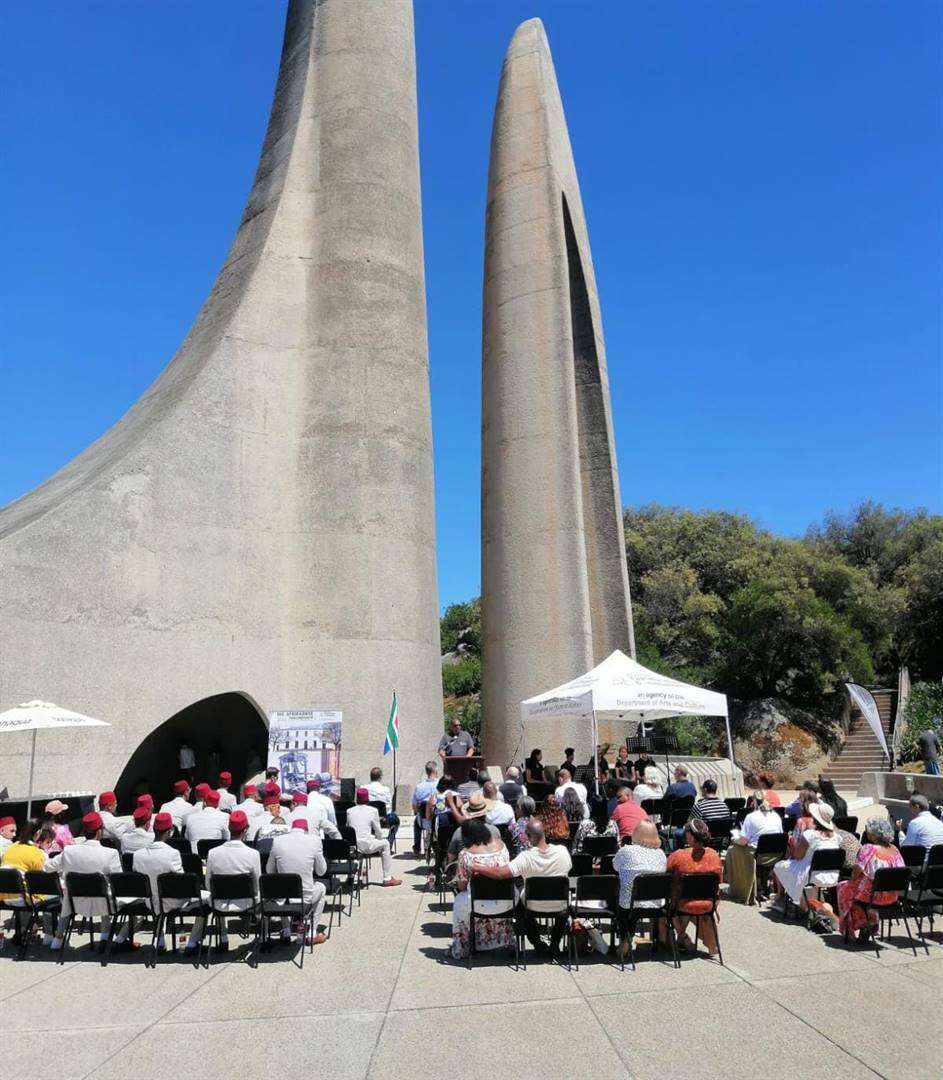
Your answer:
<point x="32" y="762"/>
<point x="595" y="750"/>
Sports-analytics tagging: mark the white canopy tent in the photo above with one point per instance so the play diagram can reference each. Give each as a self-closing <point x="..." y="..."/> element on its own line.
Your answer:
<point x="40" y="716"/>
<point x="620" y="688"/>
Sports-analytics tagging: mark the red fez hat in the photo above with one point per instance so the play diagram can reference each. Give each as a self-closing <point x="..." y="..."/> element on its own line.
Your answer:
<point x="314" y="783"/>
<point x="92" y="822"/>
<point x="299" y="797"/>
<point x="225" y="777"/>
<point x="141" y="813"/>
<point x="106" y="798"/>
<point x="211" y="798"/>
<point x="238" y="822"/>
<point x="300" y="823"/>
<point x="202" y="789"/>
<point x="7" y="821"/>
<point x="163" y="822"/>
<point x="181" y="787"/>
<point x="145" y="800"/>
<point x="363" y="795"/>
<point x="270" y="800"/>
<point x="249" y="789"/>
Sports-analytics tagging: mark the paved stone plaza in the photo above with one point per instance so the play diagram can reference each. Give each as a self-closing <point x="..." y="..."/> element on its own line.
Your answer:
<point x="379" y="1001"/>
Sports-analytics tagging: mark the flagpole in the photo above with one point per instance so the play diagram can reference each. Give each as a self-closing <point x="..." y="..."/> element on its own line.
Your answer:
<point x="396" y="699"/>
<point x="32" y="762"/>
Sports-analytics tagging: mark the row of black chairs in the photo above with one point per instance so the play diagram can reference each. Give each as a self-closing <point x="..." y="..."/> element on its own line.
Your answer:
<point x="656" y="899"/>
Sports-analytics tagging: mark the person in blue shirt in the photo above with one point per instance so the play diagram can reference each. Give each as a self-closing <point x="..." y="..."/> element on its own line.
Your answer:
<point x="421" y="794"/>
<point x="682" y="787"/>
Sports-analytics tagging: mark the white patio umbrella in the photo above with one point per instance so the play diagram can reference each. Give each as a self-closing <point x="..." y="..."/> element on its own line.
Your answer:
<point x="41" y="716"/>
<point x="620" y="687"/>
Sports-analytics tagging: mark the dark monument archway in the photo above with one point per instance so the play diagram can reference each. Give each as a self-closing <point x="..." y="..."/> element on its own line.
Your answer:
<point x="226" y="731"/>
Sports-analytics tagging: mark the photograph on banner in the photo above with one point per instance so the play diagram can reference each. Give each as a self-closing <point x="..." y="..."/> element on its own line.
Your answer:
<point x="304" y="743"/>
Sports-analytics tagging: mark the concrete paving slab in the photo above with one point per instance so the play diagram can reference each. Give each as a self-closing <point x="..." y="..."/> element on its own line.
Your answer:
<point x="25" y="1056"/>
<point x="731" y="1030"/>
<point x="115" y="991"/>
<point x="596" y="977"/>
<point x="876" y="1013"/>
<point x="15" y="976"/>
<point x="558" y="1027"/>
<point x="928" y="972"/>
<point x="333" y="1047"/>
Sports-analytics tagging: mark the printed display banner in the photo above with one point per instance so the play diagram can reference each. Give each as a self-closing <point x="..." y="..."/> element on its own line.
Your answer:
<point x="303" y="743"/>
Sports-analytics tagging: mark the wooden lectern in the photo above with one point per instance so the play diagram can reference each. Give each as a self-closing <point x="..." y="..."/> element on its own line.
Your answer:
<point x="457" y="767"/>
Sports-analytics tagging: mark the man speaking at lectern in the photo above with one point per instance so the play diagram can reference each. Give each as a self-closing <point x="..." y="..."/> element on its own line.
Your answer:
<point x="456" y="742"/>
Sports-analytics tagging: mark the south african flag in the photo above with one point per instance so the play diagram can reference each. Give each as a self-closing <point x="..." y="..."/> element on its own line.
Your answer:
<point x="392" y="727"/>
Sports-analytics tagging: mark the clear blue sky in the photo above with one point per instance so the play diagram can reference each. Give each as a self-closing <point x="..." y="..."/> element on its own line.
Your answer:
<point x="761" y="182"/>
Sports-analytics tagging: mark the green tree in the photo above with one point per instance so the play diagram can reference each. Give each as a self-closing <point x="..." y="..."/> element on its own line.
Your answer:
<point x="462" y="623"/>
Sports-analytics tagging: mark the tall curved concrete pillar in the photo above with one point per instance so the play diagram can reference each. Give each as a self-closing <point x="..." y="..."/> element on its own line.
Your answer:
<point x="555" y="591"/>
<point x="262" y="519"/>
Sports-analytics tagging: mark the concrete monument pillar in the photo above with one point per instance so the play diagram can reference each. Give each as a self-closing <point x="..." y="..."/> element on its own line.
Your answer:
<point x="555" y="591"/>
<point x="261" y="521"/>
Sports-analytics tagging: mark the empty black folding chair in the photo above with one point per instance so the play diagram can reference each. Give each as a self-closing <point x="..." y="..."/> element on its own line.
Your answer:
<point x="598" y="846"/>
<point x="926" y="897"/>
<point x="443" y="837"/>
<point x="888" y="881"/>
<point x="720" y="832"/>
<point x="227" y="889"/>
<point x="86" y="887"/>
<point x="914" y="856"/>
<point x="179" y="896"/>
<point x="204" y="847"/>
<point x="341" y="864"/>
<point x="553" y="891"/>
<point x="651" y="900"/>
<point x="483" y="889"/>
<point x="131" y="894"/>
<point x="735" y="804"/>
<point x="43" y="897"/>
<point x="597" y="897"/>
<point x="846" y="824"/>
<point x="699" y="887"/>
<point x="282" y="896"/>
<point x="582" y="865"/>
<point x="179" y="843"/>
<point x="193" y="864"/>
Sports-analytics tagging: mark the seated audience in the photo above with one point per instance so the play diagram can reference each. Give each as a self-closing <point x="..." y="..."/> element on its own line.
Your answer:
<point x="624" y="769"/>
<point x="804" y="819"/>
<point x="923" y="829"/>
<point x="512" y="789"/>
<point x="627" y="812"/>
<point x="768" y="787"/>
<point x="642" y="856"/>
<point x="318" y="788"/>
<point x="23" y="854"/>
<point x="695" y="858"/>
<point x="179" y="806"/>
<point x="275" y="820"/>
<point x="497" y="813"/>
<point x="539" y="860"/>
<point x="233" y="857"/>
<point x="471" y="785"/>
<point x="828" y="794"/>
<point x="475" y="809"/>
<point x="479" y="849"/>
<point x="140" y="836"/>
<point x="422" y="792"/>
<point x="379" y="792"/>
<point x="878" y="853"/>
<point x="207" y="822"/>
<point x="533" y="768"/>
<point x="89" y="857"/>
<point x="597" y="824"/>
<point x="7" y="832"/>
<point x="709" y="807"/>
<point x="650" y="787"/>
<point x="569" y="762"/>
<point x="517" y="834"/>
<point x="365" y="821"/>
<point x="227" y="801"/>
<point x="553" y="820"/>
<point x="572" y="805"/>
<point x="681" y="787"/>
<point x="53" y="817"/>
<point x="565" y="781"/>
<point x="741" y="861"/>
<point x="446" y="809"/>
<point x="299" y="851"/>
<point x="160" y="858"/>
<point x="792" y="875"/>
<point x="112" y="826"/>
<point x="794" y="808"/>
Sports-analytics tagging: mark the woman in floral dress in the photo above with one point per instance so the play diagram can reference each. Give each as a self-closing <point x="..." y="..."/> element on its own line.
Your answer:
<point x="479" y="848"/>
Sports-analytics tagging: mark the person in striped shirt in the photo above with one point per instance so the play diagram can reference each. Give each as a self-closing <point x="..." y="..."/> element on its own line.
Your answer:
<point x="707" y="808"/>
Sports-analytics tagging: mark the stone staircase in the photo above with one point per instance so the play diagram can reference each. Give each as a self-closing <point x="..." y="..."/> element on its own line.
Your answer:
<point x="861" y="752"/>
